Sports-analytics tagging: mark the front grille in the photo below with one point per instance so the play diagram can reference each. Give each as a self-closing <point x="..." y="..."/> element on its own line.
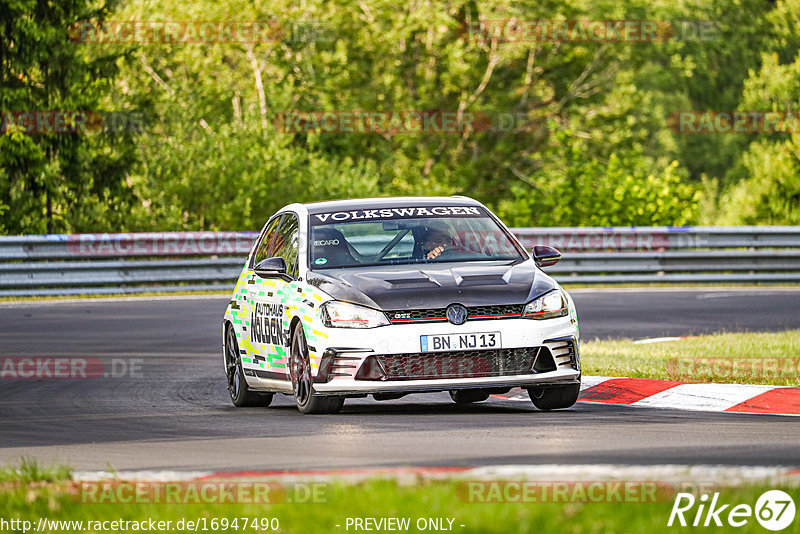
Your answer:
<point x="465" y="364"/>
<point x="495" y="312"/>
<point x="437" y="315"/>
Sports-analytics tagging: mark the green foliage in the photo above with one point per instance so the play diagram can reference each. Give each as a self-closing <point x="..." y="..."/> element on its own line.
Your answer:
<point x="590" y="141"/>
<point x="236" y="177"/>
<point x="30" y="470"/>
<point x="784" y="21"/>
<point x="770" y="194"/>
<point x="56" y="182"/>
<point x="766" y="182"/>
<point x="573" y="189"/>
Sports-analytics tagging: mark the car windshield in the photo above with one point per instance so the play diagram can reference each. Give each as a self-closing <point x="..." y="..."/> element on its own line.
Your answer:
<point x="406" y="236"/>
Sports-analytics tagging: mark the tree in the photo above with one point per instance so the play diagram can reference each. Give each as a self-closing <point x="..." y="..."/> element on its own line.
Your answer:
<point x="582" y="120"/>
<point x="766" y="182"/>
<point x="574" y="189"/>
<point x="58" y="182"/>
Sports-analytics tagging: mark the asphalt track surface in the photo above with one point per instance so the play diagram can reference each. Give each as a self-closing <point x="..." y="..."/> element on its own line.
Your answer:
<point x="173" y="411"/>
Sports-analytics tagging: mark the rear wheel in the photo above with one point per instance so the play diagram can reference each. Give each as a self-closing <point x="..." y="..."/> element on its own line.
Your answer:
<point x="240" y="392"/>
<point x="468" y="396"/>
<point x="302" y="382"/>
<point x="554" y="397"/>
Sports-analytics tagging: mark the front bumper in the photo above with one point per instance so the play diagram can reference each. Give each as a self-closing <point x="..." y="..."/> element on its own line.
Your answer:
<point x="388" y="359"/>
<point x="355" y="387"/>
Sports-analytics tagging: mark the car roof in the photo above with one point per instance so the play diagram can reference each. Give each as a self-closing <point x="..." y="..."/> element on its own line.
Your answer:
<point x="387" y="202"/>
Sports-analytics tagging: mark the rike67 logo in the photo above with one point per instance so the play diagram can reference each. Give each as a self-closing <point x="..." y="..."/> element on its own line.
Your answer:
<point x="774" y="510"/>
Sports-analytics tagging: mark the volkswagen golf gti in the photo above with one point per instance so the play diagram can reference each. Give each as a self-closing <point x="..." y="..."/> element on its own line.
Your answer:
<point x="392" y="296"/>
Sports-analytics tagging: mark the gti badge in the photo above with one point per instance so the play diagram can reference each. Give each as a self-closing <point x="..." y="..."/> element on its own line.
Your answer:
<point x="456" y="314"/>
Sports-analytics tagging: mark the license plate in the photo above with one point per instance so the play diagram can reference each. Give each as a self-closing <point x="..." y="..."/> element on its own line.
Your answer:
<point x="450" y="342"/>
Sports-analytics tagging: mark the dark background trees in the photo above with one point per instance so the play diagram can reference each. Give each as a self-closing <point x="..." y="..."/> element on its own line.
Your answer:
<point x="59" y="182"/>
<point x="591" y="142"/>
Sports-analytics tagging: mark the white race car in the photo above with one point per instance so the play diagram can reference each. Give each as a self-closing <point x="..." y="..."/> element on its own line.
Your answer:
<point x="390" y="296"/>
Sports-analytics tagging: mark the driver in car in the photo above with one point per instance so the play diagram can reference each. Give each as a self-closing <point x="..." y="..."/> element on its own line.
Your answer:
<point x="435" y="242"/>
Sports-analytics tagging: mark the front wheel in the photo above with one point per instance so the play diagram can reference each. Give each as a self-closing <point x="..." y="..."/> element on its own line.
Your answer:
<point x="554" y="397"/>
<point x="240" y="392"/>
<point x="302" y="382"/>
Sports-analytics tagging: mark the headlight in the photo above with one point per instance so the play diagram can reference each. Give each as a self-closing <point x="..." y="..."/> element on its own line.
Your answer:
<point x="549" y="305"/>
<point x="345" y="315"/>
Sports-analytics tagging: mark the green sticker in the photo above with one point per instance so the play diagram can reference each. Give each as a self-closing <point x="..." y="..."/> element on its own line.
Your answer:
<point x="321" y="261"/>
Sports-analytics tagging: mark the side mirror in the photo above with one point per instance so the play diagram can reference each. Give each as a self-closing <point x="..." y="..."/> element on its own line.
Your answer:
<point x="271" y="268"/>
<point x="545" y="256"/>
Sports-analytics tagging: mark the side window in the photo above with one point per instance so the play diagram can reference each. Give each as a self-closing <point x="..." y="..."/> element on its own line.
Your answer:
<point x="263" y="251"/>
<point x="286" y="243"/>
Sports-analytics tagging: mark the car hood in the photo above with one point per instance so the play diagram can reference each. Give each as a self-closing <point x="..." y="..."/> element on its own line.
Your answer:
<point x="425" y="286"/>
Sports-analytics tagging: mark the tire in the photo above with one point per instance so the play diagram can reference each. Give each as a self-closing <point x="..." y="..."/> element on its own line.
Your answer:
<point x="468" y="396"/>
<point x="240" y="392"/>
<point x="554" y="397"/>
<point x="302" y="383"/>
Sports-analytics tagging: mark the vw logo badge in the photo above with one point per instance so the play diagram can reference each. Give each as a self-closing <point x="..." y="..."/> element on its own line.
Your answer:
<point x="456" y="314"/>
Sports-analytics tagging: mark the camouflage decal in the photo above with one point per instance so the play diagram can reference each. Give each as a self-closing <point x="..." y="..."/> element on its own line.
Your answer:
<point x="262" y="311"/>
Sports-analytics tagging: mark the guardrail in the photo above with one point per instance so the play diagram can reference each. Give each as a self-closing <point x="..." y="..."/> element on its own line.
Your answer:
<point x="71" y="264"/>
<point x="672" y="254"/>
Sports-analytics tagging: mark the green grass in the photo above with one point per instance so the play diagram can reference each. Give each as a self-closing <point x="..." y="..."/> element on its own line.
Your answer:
<point x="377" y="499"/>
<point x="745" y="358"/>
<point x="30" y="470"/>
